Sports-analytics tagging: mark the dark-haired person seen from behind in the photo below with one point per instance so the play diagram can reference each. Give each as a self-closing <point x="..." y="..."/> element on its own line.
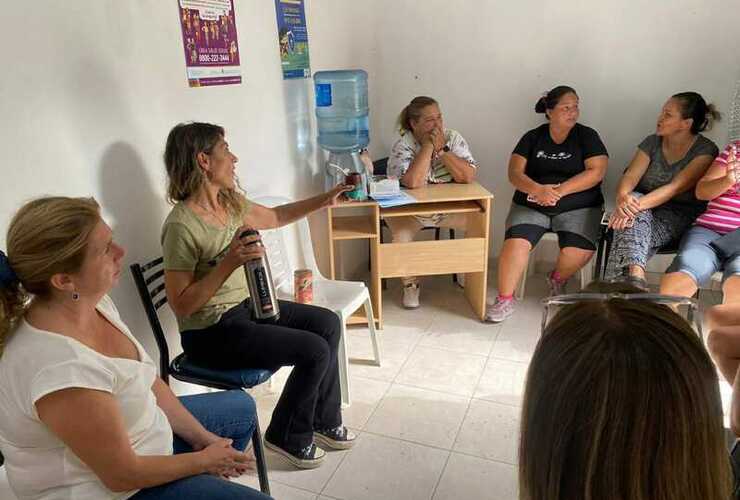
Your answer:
<point x="655" y="202"/>
<point x="635" y="414"/>
<point x="84" y="415"/>
<point x="426" y="153"/>
<point x="210" y="298"/>
<point x="557" y="170"/>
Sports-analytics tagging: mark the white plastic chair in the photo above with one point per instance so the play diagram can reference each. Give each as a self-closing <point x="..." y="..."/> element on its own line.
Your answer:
<point x="531" y="261"/>
<point x="342" y="297"/>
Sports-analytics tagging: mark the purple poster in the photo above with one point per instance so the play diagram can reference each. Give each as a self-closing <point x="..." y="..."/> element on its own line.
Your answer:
<point x="209" y="40"/>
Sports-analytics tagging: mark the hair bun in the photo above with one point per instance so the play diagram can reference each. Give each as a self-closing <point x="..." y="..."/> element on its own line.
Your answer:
<point x="541" y="105"/>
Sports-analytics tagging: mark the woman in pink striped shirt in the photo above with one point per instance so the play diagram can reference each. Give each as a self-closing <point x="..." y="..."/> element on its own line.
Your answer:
<point x="697" y="259"/>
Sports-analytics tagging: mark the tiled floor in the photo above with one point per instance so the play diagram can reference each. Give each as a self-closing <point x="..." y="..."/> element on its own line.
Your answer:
<point x="440" y="418"/>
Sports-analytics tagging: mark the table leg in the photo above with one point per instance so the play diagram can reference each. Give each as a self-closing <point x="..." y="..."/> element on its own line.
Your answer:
<point x="476" y="284"/>
<point x="376" y="289"/>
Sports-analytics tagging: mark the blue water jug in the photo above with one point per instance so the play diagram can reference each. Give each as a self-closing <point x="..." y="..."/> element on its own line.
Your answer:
<point x="341" y="110"/>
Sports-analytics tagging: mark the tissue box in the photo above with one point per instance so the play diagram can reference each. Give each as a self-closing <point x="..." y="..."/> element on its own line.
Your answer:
<point x="384" y="186"/>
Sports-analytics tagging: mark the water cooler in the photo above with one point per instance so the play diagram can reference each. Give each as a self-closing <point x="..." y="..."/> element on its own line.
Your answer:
<point x="342" y="116"/>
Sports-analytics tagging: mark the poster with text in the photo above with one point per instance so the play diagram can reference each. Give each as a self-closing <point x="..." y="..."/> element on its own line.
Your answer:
<point x="293" y="38"/>
<point x="209" y="40"/>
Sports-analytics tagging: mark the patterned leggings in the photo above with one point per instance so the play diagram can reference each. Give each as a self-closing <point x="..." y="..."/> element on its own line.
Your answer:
<point x="653" y="228"/>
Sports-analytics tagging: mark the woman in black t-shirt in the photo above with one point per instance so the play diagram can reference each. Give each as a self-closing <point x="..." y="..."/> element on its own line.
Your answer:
<point x="557" y="170"/>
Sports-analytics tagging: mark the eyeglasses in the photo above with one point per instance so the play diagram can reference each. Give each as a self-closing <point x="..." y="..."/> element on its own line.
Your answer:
<point x="685" y="307"/>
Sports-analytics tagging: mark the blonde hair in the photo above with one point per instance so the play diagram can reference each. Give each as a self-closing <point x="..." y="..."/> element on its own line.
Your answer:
<point x="184" y="142"/>
<point x="412" y="112"/>
<point x="47" y="236"/>
<point x="622" y="403"/>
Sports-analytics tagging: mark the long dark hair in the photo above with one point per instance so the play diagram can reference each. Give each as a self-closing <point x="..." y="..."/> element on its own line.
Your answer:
<point x="622" y="402"/>
<point x="694" y="106"/>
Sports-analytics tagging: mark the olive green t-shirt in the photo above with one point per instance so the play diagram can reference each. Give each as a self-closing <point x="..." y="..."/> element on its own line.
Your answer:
<point x="189" y="244"/>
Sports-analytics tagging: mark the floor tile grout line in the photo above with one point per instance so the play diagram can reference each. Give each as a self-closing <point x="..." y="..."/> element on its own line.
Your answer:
<point x="375" y="408"/>
<point x="331" y="476"/>
<point x="441" y="475"/>
<point x="467" y="410"/>
<point x="301" y="488"/>
<point x="362" y="431"/>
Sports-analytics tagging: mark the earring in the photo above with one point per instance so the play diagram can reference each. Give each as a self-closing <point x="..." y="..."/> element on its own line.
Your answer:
<point x="75" y="296"/>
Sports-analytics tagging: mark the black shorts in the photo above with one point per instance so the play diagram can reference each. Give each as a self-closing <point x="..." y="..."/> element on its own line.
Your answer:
<point x="533" y="233"/>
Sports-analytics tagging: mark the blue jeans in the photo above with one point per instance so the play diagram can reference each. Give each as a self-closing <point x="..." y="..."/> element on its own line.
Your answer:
<point x="228" y="414"/>
<point x="698" y="259"/>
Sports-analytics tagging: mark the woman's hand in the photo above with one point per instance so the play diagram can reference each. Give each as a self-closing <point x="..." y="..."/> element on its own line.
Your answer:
<point x="732" y="167"/>
<point x="332" y="197"/>
<point x="620" y="222"/>
<point x="628" y="206"/>
<point x="437" y="137"/>
<point x="220" y="459"/>
<point x="242" y="250"/>
<point x="546" y="195"/>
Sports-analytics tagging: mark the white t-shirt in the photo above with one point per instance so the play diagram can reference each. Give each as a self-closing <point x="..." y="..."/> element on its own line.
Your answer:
<point x="405" y="150"/>
<point x="35" y="363"/>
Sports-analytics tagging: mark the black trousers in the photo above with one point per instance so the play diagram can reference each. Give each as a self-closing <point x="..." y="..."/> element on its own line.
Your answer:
<point x="305" y="337"/>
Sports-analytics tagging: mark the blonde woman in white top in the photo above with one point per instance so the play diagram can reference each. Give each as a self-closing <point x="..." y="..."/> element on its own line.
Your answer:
<point x="84" y="414"/>
<point x="426" y="153"/>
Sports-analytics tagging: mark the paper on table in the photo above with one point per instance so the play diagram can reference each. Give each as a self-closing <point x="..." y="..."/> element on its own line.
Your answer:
<point x="402" y="198"/>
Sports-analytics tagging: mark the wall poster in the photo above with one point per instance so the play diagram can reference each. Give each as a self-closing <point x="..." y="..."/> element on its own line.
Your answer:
<point x="293" y="38"/>
<point x="210" y="42"/>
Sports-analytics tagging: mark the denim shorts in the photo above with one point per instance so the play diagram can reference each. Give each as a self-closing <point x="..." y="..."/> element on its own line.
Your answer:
<point x="697" y="258"/>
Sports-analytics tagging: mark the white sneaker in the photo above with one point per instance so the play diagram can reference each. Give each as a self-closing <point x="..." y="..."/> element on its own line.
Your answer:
<point x="411" y="296"/>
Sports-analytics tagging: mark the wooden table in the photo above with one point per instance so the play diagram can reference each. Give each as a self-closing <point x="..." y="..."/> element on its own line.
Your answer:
<point x="468" y="255"/>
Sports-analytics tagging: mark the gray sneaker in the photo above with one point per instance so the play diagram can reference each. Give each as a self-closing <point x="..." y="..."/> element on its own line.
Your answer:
<point x="500" y="310"/>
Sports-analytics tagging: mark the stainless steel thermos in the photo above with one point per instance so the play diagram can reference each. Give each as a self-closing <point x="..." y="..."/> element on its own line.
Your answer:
<point x="261" y="289"/>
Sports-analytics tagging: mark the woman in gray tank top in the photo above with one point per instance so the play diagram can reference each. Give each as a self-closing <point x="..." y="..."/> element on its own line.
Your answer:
<point x="655" y="201"/>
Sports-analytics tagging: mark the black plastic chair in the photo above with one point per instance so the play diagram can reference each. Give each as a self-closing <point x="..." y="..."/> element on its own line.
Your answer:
<point x="380" y="167"/>
<point x="149" y="279"/>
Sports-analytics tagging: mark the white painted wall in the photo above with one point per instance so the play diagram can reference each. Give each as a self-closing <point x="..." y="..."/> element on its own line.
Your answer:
<point x="91" y="88"/>
<point x="487" y="62"/>
<point x="95" y="85"/>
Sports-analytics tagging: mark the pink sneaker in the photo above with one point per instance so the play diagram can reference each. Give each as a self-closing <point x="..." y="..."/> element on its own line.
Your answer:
<point x="500" y="310"/>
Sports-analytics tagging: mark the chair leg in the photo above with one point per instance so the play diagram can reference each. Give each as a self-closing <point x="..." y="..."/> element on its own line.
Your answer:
<point x="343" y="365"/>
<point x="259" y="455"/>
<point x="584" y="275"/>
<point x="371" y="326"/>
<point x="452" y="237"/>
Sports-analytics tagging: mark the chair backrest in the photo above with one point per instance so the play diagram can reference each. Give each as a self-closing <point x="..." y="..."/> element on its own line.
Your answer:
<point x="274" y="239"/>
<point x="380" y="166"/>
<point x="277" y="254"/>
<point x="149" y="279"/>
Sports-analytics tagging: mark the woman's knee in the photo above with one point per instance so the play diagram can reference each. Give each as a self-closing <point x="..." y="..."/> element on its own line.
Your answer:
<point x="331" y="327"/>
<point x="717" y="342"/>
<point x="314" y="351"/>
<point x="240" y="402"/>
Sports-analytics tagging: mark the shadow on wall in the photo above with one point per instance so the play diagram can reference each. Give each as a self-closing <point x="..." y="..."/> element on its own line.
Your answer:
<point x="138" y="210"/>
<point x="297" y="104"/>
<point x="306" y="155"/>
